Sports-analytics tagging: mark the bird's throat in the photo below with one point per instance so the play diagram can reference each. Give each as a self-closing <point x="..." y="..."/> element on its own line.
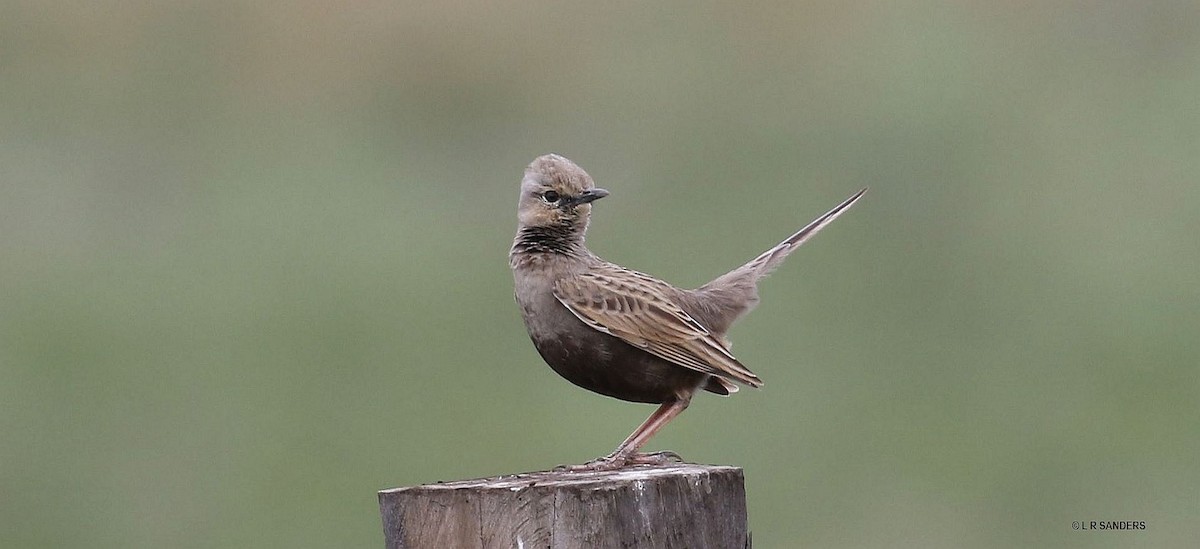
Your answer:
<point x="551" y="239"/>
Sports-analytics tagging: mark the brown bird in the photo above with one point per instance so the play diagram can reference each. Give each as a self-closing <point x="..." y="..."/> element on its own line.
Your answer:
<point x="619" y="332"/>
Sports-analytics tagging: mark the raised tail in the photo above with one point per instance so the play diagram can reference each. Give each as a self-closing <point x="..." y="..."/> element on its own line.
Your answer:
<point x="766" y="262"/>
<point x="735" y="293"/>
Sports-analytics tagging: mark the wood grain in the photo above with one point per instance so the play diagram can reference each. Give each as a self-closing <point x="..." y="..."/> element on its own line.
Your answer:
<point x="678" y="506"/>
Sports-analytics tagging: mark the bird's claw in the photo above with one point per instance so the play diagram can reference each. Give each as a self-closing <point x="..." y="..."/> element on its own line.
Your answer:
<point x="665" y="457"/>
<point x="613" y="462"/>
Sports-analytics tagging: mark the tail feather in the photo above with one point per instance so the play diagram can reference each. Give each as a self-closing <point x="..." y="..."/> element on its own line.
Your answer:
<point x="735" y="293"/>
<point x="763" y="264"/>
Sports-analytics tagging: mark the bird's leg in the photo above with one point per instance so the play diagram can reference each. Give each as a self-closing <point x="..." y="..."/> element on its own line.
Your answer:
<point x="627" y="452"/>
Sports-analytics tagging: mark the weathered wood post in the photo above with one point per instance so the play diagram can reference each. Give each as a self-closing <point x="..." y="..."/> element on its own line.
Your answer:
<point x="678" y="506"/>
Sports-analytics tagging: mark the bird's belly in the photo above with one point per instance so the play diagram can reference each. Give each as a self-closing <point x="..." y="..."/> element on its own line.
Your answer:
<point x="607" y="365"/>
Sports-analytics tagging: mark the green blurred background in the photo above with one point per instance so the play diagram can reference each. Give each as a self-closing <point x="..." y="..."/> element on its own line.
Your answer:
<point x="253" y="260"/>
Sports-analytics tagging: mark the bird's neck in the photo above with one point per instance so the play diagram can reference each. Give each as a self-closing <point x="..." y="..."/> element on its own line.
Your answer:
<point x="563" y="240"/>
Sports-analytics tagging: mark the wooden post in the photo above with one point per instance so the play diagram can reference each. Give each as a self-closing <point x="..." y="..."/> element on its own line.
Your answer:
<point x="677" y="506"/>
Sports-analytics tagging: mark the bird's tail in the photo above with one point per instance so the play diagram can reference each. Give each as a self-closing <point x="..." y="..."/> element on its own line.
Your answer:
<point x="766" y="262"/>
<point x="736" y="292"/>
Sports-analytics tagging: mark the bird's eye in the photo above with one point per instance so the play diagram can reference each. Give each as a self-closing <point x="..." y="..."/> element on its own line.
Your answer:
<point x="550" y="196"/>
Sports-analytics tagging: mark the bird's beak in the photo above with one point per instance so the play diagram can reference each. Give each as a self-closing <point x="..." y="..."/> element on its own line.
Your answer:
<point x="588" y="196"/>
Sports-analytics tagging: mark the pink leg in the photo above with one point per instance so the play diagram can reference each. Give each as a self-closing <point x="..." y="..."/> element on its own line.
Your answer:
<point x="663" y="415"/>
<point x="627" y="452"/>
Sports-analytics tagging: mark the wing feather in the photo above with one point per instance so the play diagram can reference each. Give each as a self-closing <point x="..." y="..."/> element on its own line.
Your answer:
<point x="637" y="309"/>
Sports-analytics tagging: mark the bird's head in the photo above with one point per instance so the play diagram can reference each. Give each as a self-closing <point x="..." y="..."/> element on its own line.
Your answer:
<point x="556" y="193"/>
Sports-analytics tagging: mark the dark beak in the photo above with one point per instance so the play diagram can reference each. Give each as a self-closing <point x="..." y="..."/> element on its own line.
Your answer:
<point x="588" y="196"/>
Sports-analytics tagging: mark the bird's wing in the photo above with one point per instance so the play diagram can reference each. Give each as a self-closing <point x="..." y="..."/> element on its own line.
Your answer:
<point x="637" y="309"/>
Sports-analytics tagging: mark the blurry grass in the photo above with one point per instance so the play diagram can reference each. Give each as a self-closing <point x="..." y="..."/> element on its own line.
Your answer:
<point x="254" y="267"/>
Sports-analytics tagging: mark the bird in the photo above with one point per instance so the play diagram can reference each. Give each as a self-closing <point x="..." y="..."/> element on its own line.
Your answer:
<point x="619" y="332"/>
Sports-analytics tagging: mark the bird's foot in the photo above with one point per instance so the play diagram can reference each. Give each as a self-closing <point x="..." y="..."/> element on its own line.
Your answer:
<point x="665" y="457"/>
<point x="613" y="462"/>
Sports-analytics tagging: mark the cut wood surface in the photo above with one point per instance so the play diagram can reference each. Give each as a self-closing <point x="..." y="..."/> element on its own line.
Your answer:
<point x="676" y="506"/>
